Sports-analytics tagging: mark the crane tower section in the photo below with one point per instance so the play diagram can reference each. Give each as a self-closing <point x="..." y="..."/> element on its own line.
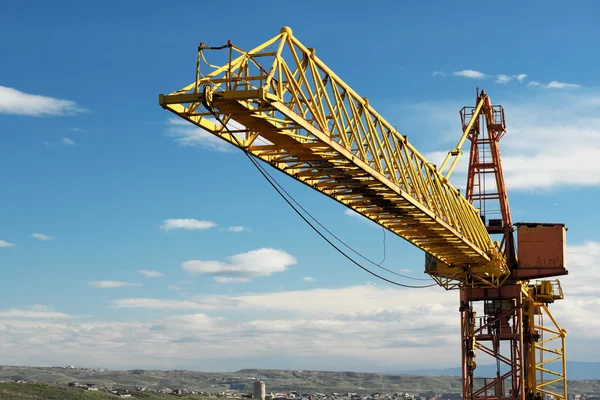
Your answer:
<point x="287" y="108"/>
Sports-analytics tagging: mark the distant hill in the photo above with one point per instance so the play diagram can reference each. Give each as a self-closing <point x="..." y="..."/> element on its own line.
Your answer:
<point x="276" y="380"/>
<point x="576" y="370"/>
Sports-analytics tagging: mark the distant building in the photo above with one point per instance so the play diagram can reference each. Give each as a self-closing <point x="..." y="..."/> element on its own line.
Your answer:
<point x="260" y="390"/>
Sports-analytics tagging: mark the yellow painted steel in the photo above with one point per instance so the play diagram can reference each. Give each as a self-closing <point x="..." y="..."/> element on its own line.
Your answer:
<point x="545" y="345"/>
<point x="457" y="152"/>
<point x="287" y="108"/>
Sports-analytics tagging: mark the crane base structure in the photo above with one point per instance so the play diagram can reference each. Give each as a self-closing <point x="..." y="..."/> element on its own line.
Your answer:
<point x="281" y="104"/>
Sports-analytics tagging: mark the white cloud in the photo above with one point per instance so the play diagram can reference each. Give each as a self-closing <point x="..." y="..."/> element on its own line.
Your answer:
<point x="187" y="134"/>
<point x="578" y="312"/>
<point x="520" y="77"/>
<point x="4" y="243"/>
<point x="157" y="304"/>
<point x="75" y="129"/>
<point x="354" y="326"/>
<point x="438" y="73"/>
<point x="41" y="236"/>
<point x="242" y="267"/>
<point x="231" y="279"/>
<point x="555" y="85"/>
<point x="562" y="85"/>
<point x="502" y="79"/>
<point x="308" y="279"/>
<point x="174" y="287"/>
<point x="13" y="101"/>
<point x="68" y="141"/>
<point x="351" y="301"/>
<point x="353" y="214"/>
<point x="112" y="284"/>
<point x="471" y="74"/>
<point x="236" y="229"/>
<point x="36" y="312"/>
<point x="327" y="329"/>
<point x="150" y="274"/>
<point x="186" y="223"/>
<point x="547" y="140"/>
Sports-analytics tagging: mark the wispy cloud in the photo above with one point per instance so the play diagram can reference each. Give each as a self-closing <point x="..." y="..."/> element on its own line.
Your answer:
<point x="520" y="77"/>
<point x="41" y="236"/>
<point x="157" y="304"/>
<point x="469" y="73"/>
<point x="34" y="313"/>
<point x="64" y="142"/>
<point x="150" y="274"/>
<point x="186" y="223"/>
<point x="76" y="129"/>
<point x="438" y="73"/>
<point x="502" y="79"/>
<point x="308" y="279"/>
<point x="13" y="101"/>
<point x="554" y="85"/>
<point x="4" y="243"/>
<point x="237" y="229"/>
<point x="535" y="151"/>
<point x="353" y="214"/>
<point x="187" y="134"/>
<point x="242" y="267"/>
<point x="68" y="141"/>
<point x="352" y="329"/>
<point x="561" y="85"/>
<point x="174" y="287"/>
<point x="112" y="284"/>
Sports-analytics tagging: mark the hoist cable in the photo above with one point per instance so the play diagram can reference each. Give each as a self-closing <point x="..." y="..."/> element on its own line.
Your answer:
<point x="273" y="182"/>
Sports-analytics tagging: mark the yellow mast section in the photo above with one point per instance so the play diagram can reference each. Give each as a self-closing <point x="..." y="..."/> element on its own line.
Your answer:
<point x="287" y="108"/>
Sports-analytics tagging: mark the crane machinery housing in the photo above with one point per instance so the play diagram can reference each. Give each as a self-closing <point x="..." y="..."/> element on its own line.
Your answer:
<point x="281" y="104"/>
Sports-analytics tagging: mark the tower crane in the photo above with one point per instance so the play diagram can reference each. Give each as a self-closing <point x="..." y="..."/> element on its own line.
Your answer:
<point x="281" y="104"/>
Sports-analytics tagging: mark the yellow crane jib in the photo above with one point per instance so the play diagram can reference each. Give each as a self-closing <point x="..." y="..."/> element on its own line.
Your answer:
<point x="287" y="108"/>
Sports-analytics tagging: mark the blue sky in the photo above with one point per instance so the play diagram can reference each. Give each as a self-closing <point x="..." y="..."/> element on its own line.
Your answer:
<point x="93" y="165"/>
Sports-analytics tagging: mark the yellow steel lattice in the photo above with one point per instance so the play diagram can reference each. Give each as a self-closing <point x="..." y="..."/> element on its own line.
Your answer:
<point x="286" y="107"/>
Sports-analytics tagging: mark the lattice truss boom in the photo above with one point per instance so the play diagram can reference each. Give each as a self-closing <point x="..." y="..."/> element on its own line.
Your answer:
<point x="288" y="109"/>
